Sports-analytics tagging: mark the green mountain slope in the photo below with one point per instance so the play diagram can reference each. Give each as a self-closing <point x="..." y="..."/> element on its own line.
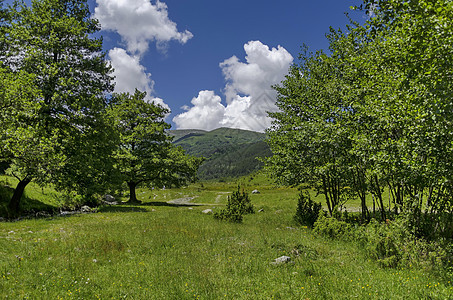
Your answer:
<point x="228" y="152"/>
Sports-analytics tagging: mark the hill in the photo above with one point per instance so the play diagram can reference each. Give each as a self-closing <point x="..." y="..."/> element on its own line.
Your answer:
<point x="228" y="152"/>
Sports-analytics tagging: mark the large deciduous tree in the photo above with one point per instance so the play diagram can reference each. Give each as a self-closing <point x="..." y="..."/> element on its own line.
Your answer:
<point x="145" y="154"/>
<point x="54" y="133"/>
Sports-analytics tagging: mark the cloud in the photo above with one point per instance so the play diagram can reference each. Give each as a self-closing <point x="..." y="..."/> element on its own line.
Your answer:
<point x="263" y="68"/>
<point x="130" y="75"/>
<point x="248" y="90"/>
<point x="139" y="22"/>
<point x="206" y="113"/>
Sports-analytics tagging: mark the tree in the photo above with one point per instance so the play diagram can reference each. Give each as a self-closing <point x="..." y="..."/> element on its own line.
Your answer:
<point x="145" y="154"/>
<point x="308" y="139"/>
<point x="52" y="40"/>
<point x="376" y="112"/>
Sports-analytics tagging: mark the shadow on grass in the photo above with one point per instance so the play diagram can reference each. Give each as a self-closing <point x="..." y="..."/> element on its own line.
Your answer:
<point x="170" y="204"/>
<point x="143" y="207"/>
<point x="120" y="208"/>
<point x="32" y="205"/>
<point x="27" y="205"/>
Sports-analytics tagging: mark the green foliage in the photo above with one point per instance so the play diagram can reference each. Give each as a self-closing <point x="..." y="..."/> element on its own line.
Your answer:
<point x="374" y="114"/>
<point x="52" y="129"/>
<point x="392" y="244"/>
<point x="381" y="243"/>
<point x="332" y="227"/>
<point x="238" y="205"/>
<point x="307" y="210"/>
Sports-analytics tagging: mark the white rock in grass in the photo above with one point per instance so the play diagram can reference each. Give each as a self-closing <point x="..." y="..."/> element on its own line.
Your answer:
<point x="281" y="260"/>
<point x="255" y="192"/>
<point x="109" y="198"/>
<point x="85" y="209"/>
<point x="207" y="211"/>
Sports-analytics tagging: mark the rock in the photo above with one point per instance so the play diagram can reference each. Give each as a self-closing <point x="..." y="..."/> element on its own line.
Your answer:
<point x="109" y="203"/>
<point x="109" y="198"/>
<point x="255" y="192"/>
<point x="282" y="260"/>
<point x="207" y="211"/>
<point x="67" y="213"/>
<point x="261" y="210"/>
<point x="85" y="209"/>
<point x="42" y="214"/>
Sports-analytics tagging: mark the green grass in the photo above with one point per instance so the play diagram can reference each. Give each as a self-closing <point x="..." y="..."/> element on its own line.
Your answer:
<point x="162" y="251"/>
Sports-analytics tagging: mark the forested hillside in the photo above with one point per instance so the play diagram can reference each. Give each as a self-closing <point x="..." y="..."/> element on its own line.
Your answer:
<point x="228" y="152"/>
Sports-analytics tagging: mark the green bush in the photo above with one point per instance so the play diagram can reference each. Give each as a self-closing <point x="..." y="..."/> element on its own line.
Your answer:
<point x="238" y="205"/>
<point x="307" y="210"/>
<point x="392" y="244"/>
<point x="332" y="227"/>
<point x="72" y="200"/>
<point x="382" y="242"/>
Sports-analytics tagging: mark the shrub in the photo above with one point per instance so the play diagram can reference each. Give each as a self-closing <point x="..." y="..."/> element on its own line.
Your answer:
<point x="238" y="205"/>
<point x="332" y="227"/>
<point x="307" y="210"/>
<point x="393" y="243"/>
<point x="382" y="242"/>
<point x="71" y="200"/>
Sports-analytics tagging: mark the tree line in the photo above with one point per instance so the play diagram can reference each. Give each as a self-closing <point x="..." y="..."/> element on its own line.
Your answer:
<point x="374" y="113"/>
<point x="60" y="123"/>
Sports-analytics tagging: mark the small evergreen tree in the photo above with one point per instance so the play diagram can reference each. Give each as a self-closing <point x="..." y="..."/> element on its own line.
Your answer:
<point x="238" y="205"/>
<point x="307" y="210"/>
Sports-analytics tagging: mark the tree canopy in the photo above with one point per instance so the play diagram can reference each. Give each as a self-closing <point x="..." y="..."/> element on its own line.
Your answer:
<point x="374" y="112"/>
<point x="59" y="77"/>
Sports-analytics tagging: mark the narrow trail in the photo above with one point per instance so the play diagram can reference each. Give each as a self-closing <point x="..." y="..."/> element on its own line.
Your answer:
<point x="187" y="201"/>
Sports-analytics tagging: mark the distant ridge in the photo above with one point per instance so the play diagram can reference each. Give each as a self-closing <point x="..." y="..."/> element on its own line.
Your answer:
<point x="229" y="152"/>
<point x="182" y="133"/>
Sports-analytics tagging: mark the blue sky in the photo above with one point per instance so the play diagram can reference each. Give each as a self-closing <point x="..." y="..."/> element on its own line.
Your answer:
<point x="212" y="62"/>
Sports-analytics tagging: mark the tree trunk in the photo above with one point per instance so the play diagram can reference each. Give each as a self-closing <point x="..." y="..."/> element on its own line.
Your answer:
<point x="133" y="197"/>
<point x="326" y="193"/>
<point x="14" y="203"/>
<point x="379" y="197"/>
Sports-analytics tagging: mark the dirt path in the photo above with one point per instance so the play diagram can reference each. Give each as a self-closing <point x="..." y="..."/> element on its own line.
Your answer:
<point x="187" y="201"/>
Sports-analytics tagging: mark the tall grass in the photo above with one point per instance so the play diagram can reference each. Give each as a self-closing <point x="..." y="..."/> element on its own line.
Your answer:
<point x="162" y="251"/>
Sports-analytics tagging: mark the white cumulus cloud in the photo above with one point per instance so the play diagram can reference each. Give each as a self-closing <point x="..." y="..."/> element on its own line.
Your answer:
<point x="130" y="75"/>
<point x="248" y="90"/>
<point x="206" y="113"/>
<point x="139" y="22"/>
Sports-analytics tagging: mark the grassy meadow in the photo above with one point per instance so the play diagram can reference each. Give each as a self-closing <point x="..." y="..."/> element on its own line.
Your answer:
<point x="161" y="250"/>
